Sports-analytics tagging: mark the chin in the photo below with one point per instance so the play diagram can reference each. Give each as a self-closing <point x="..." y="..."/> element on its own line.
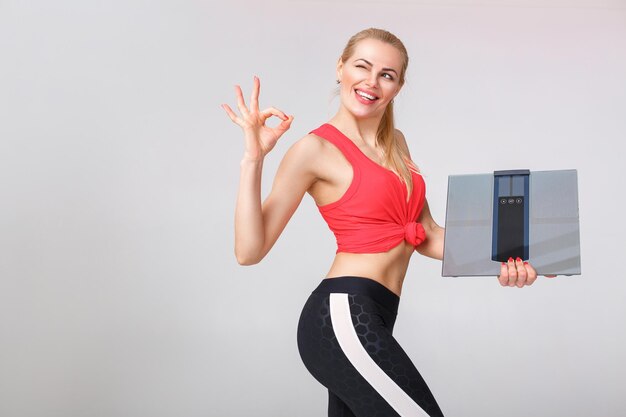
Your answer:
<point x="365" y="114"/>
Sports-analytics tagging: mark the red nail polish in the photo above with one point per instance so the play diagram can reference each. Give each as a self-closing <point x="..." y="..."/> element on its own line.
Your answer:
<point x="518" y="259"/>
<point x="510" y="259"/>
<point x="525" y="263"/>
<point x="503" y="263"/>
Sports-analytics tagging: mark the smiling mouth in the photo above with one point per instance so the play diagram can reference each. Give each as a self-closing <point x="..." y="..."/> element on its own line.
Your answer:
<point x="366" y="96"/>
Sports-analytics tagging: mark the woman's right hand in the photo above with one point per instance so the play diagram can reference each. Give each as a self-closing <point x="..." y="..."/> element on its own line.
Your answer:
<point x="260" y="139"/>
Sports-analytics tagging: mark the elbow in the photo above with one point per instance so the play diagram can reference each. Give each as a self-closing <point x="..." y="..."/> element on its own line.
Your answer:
<point x="246" y="262"/>
<point x="249" y="253"/>
<point x="432" y="247"/>
<point x="246" y="259"/>
<point x="430" y="251"/>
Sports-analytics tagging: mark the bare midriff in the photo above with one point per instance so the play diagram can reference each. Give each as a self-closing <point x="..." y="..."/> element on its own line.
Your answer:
<point x="387" y="268"/>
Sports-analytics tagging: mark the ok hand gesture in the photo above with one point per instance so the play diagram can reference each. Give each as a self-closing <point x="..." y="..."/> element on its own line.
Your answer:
<point x="260" y="139"/>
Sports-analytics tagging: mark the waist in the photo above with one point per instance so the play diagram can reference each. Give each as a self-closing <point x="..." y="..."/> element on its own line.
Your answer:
<point x="362" y="286"/>
<point x="388" y="268"/>
<point x="368" y="237"/>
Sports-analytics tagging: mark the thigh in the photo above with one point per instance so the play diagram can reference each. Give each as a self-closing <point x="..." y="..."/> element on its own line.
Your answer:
<point x="336" y="406"/>
<point x="347" y="345"/>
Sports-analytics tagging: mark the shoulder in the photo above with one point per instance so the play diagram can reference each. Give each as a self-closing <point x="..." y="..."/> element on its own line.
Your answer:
<point x="306" y="147"/>
<point x="401" y="141"/>
<point x="315" y="148"/>
<point x="302" y="156"/>
<point x="316" y="157"/>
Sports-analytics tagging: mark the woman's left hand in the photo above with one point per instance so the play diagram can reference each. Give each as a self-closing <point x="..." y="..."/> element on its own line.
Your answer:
<point x="517" y="273"/>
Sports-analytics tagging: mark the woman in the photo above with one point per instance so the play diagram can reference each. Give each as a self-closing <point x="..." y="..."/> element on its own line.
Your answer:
<point x="358" y="169"/>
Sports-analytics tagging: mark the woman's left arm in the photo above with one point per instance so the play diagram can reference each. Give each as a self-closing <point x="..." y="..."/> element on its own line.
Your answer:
<point x="433" y="245"/>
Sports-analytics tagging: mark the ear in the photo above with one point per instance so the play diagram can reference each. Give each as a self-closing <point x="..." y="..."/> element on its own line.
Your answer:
<point x="339" y="68"/>
<point x="397" y="92"/>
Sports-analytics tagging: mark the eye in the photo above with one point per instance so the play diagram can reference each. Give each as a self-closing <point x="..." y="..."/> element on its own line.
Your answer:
<point x="388" y="76"/>
<point x="360" y="66"/>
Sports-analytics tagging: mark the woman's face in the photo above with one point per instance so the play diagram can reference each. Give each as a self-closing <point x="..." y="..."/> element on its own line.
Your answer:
<point x="369" y="78"/>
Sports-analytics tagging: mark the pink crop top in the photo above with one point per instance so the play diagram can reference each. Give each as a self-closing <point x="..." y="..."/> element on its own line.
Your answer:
<point x="373" y="215"/>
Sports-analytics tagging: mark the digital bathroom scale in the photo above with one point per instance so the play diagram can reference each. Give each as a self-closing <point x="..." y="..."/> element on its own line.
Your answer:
<point x="530" y="214"/>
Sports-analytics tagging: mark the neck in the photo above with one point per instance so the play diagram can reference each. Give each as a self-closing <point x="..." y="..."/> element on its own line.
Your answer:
<point x="357" y="128"/>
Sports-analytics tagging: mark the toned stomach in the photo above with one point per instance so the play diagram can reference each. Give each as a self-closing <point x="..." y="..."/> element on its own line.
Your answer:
<point x="388" y="268"/>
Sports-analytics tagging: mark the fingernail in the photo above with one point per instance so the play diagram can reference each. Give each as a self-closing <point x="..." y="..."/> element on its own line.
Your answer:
<point x="518" y="259"/>
<point x="525" y="263"/>
<point x="503" y="263"/>
<point x="510" y="259"/>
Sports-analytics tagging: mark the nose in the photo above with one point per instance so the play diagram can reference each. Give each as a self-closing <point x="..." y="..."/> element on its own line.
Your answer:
<point x="372" y="80"/>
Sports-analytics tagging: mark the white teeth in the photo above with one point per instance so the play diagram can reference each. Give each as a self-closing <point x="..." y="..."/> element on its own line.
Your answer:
<point x="365" y="95"/>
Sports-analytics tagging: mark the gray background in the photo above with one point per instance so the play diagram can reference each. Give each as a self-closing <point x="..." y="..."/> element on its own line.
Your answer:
<point x="119" y="290"/>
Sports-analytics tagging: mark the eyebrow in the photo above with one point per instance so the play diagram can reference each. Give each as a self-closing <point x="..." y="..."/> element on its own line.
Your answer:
<point x="370" y="64"/>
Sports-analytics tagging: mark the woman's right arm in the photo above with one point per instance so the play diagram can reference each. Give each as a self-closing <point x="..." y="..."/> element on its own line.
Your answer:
<point x="258" y="225"/>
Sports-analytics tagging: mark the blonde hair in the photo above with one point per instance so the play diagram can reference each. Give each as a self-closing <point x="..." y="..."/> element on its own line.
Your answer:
<point x="396" y="158"/>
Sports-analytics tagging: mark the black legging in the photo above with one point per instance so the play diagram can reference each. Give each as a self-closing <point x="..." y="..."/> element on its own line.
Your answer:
<point x="345" y="341"/>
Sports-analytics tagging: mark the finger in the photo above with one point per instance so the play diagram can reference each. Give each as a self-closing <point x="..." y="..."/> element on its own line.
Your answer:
<point x="512" y="272"/>
<point x="504" y="274"/>
<point x="254" y="97"/>
<point x="550" y="276"/>
<point x="521" y="273"/>
<point x="285" y="124"/>
<point x="241" y="104"/>
<point x="532" y="274"/>
<point x="273" y="111"/>
<point x="231" y="113"/>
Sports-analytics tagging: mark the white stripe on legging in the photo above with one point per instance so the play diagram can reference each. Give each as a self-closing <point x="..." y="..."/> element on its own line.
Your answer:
<point x="364" y="364"/>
